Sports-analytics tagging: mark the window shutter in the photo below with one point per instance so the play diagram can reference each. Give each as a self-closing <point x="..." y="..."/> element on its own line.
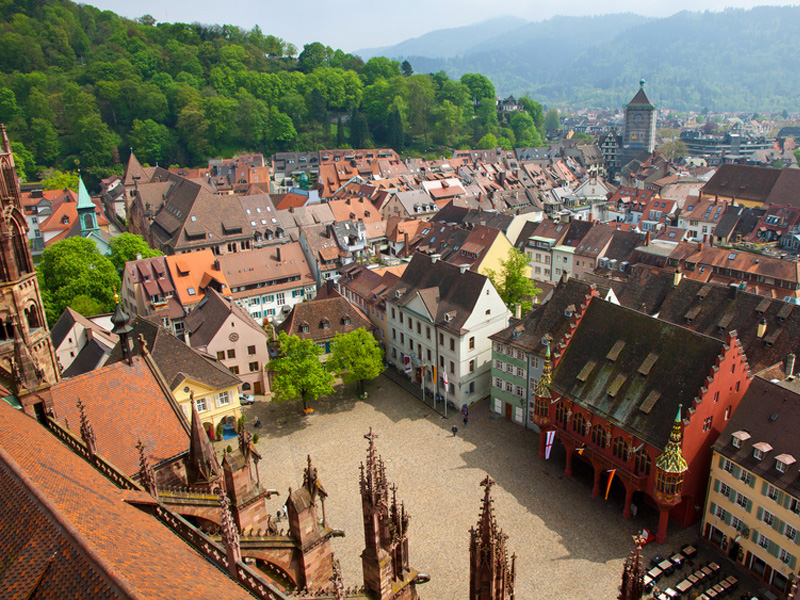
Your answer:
<point x="792" y="562"/>
<point x="716" y="485"/>
<point x="737" y="471"/>
<point x="727" y="518"/>
<point x="787" y="499"/>
<point x="752" y="481"/>
<point x="721" y="462"/>
<point x="780" y="526"/>
<point x="774" y="549"/>
<point x="749" y="505"/>
<point x="781" y="496"/>
<point x="764" y="488"/>
<point x="760" y="513"/>
<point x="713" y="509"/>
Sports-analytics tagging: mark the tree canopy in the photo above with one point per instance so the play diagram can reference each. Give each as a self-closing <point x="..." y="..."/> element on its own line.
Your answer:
<point x="75" y="268"/>
<point x="298" y="371"/>
<point x="513" y="281"/>
<point x="127" y="247"/>
<point x="80" y="87"/>
<point x="357" y="356"/>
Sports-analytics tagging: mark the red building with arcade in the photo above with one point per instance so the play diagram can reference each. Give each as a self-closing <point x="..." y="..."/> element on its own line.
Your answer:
<point x="641" y="401"/>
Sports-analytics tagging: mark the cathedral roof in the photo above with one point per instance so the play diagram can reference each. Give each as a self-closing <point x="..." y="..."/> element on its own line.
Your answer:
<point x="67" y="531"/>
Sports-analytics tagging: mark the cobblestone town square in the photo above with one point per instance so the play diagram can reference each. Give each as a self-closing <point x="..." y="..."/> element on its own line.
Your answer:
<point x="568" y="544"/>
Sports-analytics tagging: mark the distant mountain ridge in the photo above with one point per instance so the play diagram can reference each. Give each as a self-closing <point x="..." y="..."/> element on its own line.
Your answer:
<point x="737" y="60"/>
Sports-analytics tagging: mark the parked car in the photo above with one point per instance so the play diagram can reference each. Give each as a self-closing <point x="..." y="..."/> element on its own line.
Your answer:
<point x="245" y="399"/>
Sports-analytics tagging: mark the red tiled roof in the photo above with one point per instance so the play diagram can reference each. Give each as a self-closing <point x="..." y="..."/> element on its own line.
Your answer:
<point x="66" y="531"/>
<point x="124" y="404"/>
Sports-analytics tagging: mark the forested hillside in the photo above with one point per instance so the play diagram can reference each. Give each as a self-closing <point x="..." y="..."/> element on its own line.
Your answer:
<point x="736" y="60"/>
<point x="80" y="86"/>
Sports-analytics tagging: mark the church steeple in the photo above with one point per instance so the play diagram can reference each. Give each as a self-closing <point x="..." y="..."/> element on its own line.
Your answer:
<point x="86" y="210"/>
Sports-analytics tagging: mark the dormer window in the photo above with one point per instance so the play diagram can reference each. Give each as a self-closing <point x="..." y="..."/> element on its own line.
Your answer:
<point x="783" y="462"/>
<point x="760" y="449"/>
<point x="346" y="320"/>
<point x="325" y="324"/>
<point x="304" y="328"/>
<point x="738" y="437"/>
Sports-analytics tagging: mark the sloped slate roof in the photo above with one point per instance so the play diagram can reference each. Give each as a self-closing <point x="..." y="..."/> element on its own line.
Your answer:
<point x="683" y="359"/>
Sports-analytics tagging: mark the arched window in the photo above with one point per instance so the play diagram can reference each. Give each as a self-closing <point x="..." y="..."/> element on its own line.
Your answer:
<point x="598" y="436"/>
<point x="577" y="423"/>
<point x="21" y="253"/>
<point x="32" y="316"/>
<point x="619" y="447"/>
<point x="561" y="413"/>
<point x="643" y="463"/>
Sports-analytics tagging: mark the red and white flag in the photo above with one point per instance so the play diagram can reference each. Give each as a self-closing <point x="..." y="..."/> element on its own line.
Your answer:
<point x="446" y="385"/>
<point x="549" y="438"/>
<point x="407" y="364"/>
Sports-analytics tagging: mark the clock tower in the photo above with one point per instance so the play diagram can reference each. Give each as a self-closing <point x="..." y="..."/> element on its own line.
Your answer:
<point x="640" y="125"/>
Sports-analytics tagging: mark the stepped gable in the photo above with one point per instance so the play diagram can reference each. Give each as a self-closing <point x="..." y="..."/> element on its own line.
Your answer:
<point x="66" y="531"/>
<point x="124" y="404"/>
<point x="683" y="361"/>
<point x="715" y="310"/>
<point x="548" y="319"/>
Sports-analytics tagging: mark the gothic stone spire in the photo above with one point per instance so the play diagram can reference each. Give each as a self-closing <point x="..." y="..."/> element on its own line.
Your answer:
<point x="632" y="587"/>
<point x="203" y="467"/>
<point x="491" y="575"/>
<point x="87" y="432"/>
<point x="230" y="534"/>
<point x="146" y="475"/>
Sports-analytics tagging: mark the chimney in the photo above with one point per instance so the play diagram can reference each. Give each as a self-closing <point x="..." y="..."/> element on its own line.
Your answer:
<point x="138" y="256"/>
<point x="278" y="253"/>
<point x="518" y="310"/>
<point x="647" y="239"/>
<point x="565" y="276"/>
<point x="733" y="289"/>
<point x="790" y="366"/>
<point x="762" y="328"/>
<point x="405" y="250"/>
<point x="676" y="278"/>
<point x="699" y="246"/>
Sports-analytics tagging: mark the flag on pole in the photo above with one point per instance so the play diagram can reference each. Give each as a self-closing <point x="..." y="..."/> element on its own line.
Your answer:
<point x="610" y="479"/>
<point x="550" y="437"/>
<point x="444" y="378"/>
<point x="581" y="449"/>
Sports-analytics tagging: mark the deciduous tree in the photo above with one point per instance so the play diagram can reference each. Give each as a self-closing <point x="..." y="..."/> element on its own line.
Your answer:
<point x="298" y="371"/>
<point x="129" y="246"/>
<point x="357" y="356"/>
<point x="513" y="281"/>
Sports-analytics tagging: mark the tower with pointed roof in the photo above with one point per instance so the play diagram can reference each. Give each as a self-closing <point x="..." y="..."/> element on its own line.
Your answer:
<point x="491" y="573"/>
<point x="640" y="125"/>
<point x="202" y="469"/>
<point x="387" y="573"/>
<point x="670" y="467"/>
<point x="29" y="364"/>
<point x="86" y="210"/>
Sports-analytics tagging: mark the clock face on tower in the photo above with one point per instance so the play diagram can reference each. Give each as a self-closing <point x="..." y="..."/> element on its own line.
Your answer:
<point x="638" y="119"/>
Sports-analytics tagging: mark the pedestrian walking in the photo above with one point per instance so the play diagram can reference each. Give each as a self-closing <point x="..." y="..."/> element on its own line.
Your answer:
<point x="466" y="420"/>
<point x="454" y="430"/>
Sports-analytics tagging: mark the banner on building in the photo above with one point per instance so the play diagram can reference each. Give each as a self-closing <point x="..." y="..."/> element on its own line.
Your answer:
<point x="446" y="384"/>
<point x="550" y="437"/>
<point x="407" y="364"/>
<point x="611" y="473"/>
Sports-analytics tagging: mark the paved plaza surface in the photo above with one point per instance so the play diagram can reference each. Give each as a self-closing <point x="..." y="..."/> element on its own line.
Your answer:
<point x="568" y="544"/>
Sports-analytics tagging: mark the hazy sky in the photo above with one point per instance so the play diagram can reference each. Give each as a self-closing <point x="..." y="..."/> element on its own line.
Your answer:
<point x="355" y="24"/>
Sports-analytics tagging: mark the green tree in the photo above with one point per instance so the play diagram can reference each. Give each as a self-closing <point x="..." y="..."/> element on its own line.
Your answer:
<point x="487" y="142"/>
<point x="551" y="120"/>
<point x="86" y="306"/>
<point x="357" y="357"/>
<point x="150" y="140"/>
<point x="61" y="181"/>
<point x="480" y="88"/>
<point x="24" y="162"/>
<point x="298" y="371"/>
<point x="127" y="247"/>
<point x="44" y="141"/>
<point x="674" y="149"/>
<point x="534" y="109"/>
<point x="396" y="135"/>
<point x="407" y="69"/>
<point x="358" y="130"/>
<point x="513" y="281"/>
<point x="379" y="67"/>
<point x="74" y="267"/>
